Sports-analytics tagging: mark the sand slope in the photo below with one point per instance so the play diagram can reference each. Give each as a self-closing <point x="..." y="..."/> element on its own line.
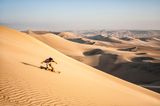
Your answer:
<point x="22" y="83"/>
<point x="59" y="43"/>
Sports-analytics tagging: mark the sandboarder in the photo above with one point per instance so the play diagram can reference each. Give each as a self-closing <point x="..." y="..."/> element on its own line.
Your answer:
<point x="48" y="62"/>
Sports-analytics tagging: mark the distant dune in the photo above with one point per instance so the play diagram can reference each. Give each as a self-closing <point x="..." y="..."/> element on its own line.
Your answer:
<point x="68" y="35"/>
<point x="131" y="49"/>
<point x="23" y="83"/>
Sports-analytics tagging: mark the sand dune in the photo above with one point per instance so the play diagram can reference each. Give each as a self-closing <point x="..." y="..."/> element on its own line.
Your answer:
<point x="127" y="38"/>
<point x="77" y="84"/>
<point x="93" y="52"/>
<point x="121" y="42"/>
<point x="106" y="39"/>
<point x="68" y="35"/>
<point x="82" y="40"/>
<point x="121" y="60"/>
<point x="62" y="45"/>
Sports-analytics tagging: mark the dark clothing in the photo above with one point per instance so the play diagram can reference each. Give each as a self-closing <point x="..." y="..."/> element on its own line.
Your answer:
<point x="48" y="60"/>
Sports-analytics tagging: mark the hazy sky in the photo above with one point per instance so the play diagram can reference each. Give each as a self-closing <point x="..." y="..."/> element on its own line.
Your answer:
<point x="80" y="14"/>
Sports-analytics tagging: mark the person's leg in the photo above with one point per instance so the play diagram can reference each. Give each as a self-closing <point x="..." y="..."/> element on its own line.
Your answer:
<point x="47" y="66"/>
<point x="52" y="69"/>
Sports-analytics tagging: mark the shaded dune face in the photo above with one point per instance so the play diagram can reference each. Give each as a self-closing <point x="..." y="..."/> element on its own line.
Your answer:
<point x="126" y="38"/>
<point x="139" y="70"/>
<point x="109" y="39"/>
<point x="107" y="62"/>
<point x="80" y="40"/>
<point x="131" y="49"/>
<point x="103" y="38"/>
<point x="97" y="37"/>
<point x="145" y="39"/>
<point x="135" y="72"/>
<point x="141" y="53"/>
<point x="139" y="73"/>
<point x="142" y="59"/>
<point x="93" y="52"/>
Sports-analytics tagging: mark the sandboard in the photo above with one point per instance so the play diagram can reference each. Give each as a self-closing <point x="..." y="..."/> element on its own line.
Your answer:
<point x="42" y="67"/>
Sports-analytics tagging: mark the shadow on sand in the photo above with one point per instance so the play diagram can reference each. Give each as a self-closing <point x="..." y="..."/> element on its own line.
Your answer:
<point x="40" y="67"/>
<point x="30" y="64"/>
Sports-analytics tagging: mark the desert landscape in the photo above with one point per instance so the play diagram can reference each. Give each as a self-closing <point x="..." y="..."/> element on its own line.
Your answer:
<point x="79" y="53"/>
<point x="24" y="83"/>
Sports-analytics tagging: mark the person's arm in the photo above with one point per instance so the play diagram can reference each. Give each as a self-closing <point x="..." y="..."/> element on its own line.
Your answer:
<point x="54" y="61"/>
<point x="42" y="62"/>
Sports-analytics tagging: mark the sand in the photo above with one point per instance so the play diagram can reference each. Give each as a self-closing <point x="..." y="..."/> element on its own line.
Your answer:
<point x="22" y="83"/>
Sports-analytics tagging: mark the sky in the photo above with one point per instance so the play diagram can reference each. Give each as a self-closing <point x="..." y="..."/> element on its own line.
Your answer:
<point x="59" y="15"/>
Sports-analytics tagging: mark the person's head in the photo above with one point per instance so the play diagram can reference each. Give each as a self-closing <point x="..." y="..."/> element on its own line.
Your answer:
<point x="50" y="58"/>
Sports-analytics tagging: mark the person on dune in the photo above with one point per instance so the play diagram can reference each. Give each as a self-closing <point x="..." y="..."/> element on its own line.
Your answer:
<point x="48" y="63"/>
